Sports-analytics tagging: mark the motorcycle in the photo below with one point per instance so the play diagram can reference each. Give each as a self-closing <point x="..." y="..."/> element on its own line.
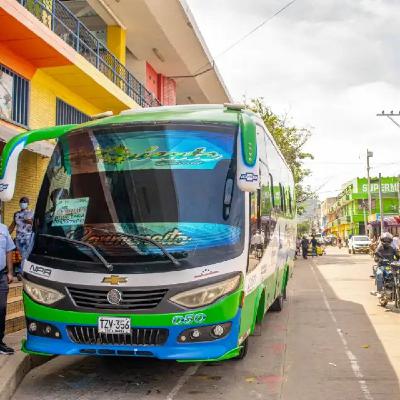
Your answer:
<point x="390" y="290"/>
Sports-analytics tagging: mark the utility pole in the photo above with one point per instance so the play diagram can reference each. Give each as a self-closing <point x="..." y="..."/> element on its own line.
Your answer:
<point x="369" y="154"/>
<point x="364" y="206"/>
<point x="381" y="202"/>
<point x="390" y="116"/>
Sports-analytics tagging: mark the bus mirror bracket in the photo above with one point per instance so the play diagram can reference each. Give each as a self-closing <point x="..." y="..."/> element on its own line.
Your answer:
<point x="248" y="173"/>
<point x="12" y="151"/>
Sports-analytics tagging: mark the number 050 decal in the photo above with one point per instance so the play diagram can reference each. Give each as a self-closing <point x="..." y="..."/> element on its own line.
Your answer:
<point x="189" y="319"/>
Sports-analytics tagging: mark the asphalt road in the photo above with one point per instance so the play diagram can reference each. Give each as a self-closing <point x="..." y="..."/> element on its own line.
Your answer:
<point x="332" y="341"/>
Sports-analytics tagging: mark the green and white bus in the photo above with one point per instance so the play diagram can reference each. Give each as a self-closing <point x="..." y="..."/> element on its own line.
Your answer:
<point x="166" y="232"/>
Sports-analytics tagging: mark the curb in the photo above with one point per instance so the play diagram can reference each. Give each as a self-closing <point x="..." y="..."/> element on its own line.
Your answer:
<point x="14" y="371"/>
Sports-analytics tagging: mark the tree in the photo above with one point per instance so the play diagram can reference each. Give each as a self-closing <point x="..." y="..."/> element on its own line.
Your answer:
<point x="290" y="140"/>
<point x="303" y="228"/>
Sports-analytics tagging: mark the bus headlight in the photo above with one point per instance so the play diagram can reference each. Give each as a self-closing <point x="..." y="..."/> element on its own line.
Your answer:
<point x="42" y="294"/>
<point x="205" y="295"/>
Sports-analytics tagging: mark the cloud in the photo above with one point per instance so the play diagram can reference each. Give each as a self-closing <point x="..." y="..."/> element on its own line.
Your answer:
<point x="331" y="64"/>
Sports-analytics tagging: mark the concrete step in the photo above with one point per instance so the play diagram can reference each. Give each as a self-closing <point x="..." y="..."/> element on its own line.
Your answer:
<point x="15" y="322"/>
<point x="15" y="318"/>
<point x="15" y="290"/>
<point x="14" y="305"/>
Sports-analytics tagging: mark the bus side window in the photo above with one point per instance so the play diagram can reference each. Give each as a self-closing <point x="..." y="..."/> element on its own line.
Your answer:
<point x="266" y="208"/>
<point x="271" y="179"/>
<point x="262" y="153"/>
<point x="282" y="198"/>
<point x="257" y="236"/>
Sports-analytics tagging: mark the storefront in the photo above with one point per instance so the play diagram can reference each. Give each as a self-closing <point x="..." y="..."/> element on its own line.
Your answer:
<point x="391" y="224"/>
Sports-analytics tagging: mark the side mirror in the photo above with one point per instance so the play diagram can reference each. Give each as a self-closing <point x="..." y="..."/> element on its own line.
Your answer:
<point x="9" y="170"/>
<point x="12" y="151"/>
<point x="248" y="172"/>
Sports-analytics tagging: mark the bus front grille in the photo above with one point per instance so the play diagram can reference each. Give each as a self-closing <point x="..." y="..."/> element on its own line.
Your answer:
<point x="137" y="337"/>
<point x="130" y="299"/>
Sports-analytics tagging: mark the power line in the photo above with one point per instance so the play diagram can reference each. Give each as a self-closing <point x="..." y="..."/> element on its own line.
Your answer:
<point x="234" y="44"/>
<point x="194" y="75"/>
<point x="244" y="37"/>
<point x="349" y="163"/>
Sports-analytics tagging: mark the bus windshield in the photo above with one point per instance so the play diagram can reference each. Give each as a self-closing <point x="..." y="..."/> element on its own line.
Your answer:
<point x="173" y="183"/>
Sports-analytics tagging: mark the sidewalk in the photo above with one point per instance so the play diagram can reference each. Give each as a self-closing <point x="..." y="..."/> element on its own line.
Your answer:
<point x="14" y="368"/>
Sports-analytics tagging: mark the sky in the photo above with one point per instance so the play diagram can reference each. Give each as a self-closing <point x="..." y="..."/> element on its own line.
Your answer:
<point x="331" y="65"/>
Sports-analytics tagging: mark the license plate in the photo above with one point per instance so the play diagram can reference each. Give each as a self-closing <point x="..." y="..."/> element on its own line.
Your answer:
<point x="114" y="325"/>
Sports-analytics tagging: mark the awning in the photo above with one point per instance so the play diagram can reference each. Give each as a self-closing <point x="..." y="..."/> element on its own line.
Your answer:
<point x="387" y="221"/>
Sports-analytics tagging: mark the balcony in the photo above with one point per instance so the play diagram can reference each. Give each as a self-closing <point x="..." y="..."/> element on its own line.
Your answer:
<point x="65" y="25"/>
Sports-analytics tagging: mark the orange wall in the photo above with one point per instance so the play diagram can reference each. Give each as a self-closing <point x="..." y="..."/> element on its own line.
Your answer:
<point x="151" y="79"/>
<point x="166" y="90"/>
<point x="16" y="63"/>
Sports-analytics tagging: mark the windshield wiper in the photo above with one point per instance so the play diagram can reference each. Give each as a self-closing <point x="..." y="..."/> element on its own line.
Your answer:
<point x="143" y="239"/>
<point x="108" y="265"/>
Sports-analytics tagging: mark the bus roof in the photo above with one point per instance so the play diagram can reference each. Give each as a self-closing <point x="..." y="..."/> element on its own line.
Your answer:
<point x="193" y="112"/>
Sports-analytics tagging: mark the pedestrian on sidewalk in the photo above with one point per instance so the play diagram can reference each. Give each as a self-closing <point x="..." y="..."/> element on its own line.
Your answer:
<point x="314" y="244"/>
<point x="23" y="220"/>
<point x="6" y="277"/>
<point x="304" y="246"/>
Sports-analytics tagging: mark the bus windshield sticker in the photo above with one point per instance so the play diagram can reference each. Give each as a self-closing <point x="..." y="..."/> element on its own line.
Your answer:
<point x="70" y="212"/>
<point x="163" y="150"/>
<point x="181" y="236"/>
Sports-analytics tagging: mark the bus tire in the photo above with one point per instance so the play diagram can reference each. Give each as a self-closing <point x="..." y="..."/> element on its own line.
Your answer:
<point x="243" y="350"/>
<point x="383" y="301"/>
<point x="277" y="305"/>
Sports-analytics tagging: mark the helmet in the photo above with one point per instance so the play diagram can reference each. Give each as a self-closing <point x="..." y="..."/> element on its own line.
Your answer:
<point x="386" y="240"/>
<point x="386" y="237"/>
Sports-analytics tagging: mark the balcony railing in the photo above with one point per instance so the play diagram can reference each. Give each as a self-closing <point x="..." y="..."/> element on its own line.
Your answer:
<point x="69" y="28"/>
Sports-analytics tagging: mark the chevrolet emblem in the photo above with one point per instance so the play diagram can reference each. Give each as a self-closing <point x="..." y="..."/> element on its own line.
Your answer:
<point x="114" y="280"/>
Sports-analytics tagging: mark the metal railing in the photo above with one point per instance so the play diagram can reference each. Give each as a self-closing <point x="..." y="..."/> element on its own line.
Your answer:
<point x="57" y="17"/>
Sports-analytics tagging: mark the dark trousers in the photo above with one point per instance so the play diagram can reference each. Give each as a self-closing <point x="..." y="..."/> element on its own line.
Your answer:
<point x="3" y="303"/>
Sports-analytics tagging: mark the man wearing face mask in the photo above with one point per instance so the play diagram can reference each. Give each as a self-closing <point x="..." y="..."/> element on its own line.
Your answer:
<point x="6" y="277"/>
<point x="23" y="221"/>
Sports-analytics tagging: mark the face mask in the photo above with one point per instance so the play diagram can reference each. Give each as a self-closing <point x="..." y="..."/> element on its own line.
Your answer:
<point x="23" y="206"/>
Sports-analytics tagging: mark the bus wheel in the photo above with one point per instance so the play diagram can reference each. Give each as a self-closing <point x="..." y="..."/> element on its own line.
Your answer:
<point x="277" y="305"/>
<point x="243" y="350"/>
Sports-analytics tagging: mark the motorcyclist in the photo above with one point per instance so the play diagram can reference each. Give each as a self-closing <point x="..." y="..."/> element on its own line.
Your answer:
<point x="384" y="252"/>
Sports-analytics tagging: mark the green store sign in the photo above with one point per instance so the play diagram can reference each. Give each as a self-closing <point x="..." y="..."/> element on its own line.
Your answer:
<point x="389" y="185"/>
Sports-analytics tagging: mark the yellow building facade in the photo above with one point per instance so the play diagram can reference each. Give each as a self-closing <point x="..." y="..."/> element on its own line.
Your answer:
<point x="43" y="77"/>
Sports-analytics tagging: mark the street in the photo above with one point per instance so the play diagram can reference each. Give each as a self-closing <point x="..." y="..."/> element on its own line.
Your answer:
<point x="331" y="341"/>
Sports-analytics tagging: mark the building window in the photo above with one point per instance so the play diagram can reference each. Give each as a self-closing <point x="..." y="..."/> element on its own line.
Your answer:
<point x="67" y="114"/>
<point x="14" y="92"/>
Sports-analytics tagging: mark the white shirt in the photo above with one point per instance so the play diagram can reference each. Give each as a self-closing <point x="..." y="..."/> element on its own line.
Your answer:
<point x="6" y="245"/>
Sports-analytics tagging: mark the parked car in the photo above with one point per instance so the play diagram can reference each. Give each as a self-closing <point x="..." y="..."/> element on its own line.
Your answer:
<point x="359" y="244"/>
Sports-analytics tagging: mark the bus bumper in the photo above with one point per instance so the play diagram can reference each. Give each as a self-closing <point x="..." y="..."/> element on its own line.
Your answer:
<point x="172" y="349"/>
